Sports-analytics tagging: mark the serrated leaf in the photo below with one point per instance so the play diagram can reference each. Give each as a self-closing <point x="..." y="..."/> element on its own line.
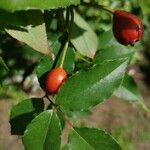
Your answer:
<point x="23" y="113"/>
<point x="128" y="90"/>
<point x="83" y="38"/>
<point x="113" y="52"/>
<point x="10" y="5"/>
<point x="88" y="88"/>
<point x="91" y="139"/>
<point x="43" y="133"/>
<point x="2" y="63"/>
<point x="34" y="34"/>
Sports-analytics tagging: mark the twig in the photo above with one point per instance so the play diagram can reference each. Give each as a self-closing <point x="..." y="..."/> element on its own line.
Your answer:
<point x="58" y="109"/>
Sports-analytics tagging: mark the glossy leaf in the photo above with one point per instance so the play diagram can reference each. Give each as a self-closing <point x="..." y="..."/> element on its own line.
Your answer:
<point x="23" y="113"/>
<point x="91" y="139"/>
<point x="43" y="133"/>
<point x="10" y="5"/>
<point x="114" y="52"/>
<point x="34" y="34"/>
<point x="128" y="90"/>
<point x="83" y="38"/>
<point x="88" y="88"/>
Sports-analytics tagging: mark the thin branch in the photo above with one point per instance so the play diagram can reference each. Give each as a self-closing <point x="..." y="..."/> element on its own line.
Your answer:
<point x="51" y="101"/>
<point x="58" y="109"/>
<point x="65" y="118"/>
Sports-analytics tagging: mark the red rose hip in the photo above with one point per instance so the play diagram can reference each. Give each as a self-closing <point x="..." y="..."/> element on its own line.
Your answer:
<point x="127" y="28"/>
<point x="54" y="79"/>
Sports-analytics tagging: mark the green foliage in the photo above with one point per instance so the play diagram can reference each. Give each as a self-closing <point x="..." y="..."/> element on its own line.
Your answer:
<point x="94" y="61"/>
<point x="15" y="19"/>
<point x="23" y="113"/>
<point x="81" y="35"/>
<point x="43" y="133"/>
<point x="145" y="6"/>
<point x="86" y="139"/>
<point x="123" y="135"/>
<point x="13" y="93"/>
<point x="35" y="4"/>
<point x="34" y="34"/>
<point x="44" y="66"/>
<point x="86" y="87"/>
<point x="128" y="90"/>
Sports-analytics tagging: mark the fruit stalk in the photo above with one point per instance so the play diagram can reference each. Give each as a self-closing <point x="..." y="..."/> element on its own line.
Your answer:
<point x="64" y="54"/>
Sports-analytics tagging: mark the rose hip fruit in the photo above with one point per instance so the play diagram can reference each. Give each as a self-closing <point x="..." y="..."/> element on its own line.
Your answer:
<point x="54" y="79"/>
<point x="127" y="28"/>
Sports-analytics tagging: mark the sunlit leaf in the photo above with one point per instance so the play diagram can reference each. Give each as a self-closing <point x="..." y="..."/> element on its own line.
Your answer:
<point x="43" y="133"/>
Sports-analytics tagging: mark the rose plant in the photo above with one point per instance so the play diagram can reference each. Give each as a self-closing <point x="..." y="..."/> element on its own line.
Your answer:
<point x="79" y="68"/>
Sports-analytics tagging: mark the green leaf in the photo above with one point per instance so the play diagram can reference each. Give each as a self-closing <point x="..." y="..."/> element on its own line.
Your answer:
<point x="114" y="52"/>
<point x="44" y="66"/>
<point x="106" y="39"/>
<point x="10" y="5"/>
<point x="128" y="90"/>
<point x="56" y="44"/>
<point x="43" y="133"/>
<point x="2" y="63"/>
<point x="88" y="88"/>
<point x="91" y="139"/>
<point x="69" y="64"/>
<point x="62" y="121"/>
<point x="34" y="34"/>
<point x="15" y="19"/>
<point x="83" y="38"/>
<point x="23" y="113"/>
